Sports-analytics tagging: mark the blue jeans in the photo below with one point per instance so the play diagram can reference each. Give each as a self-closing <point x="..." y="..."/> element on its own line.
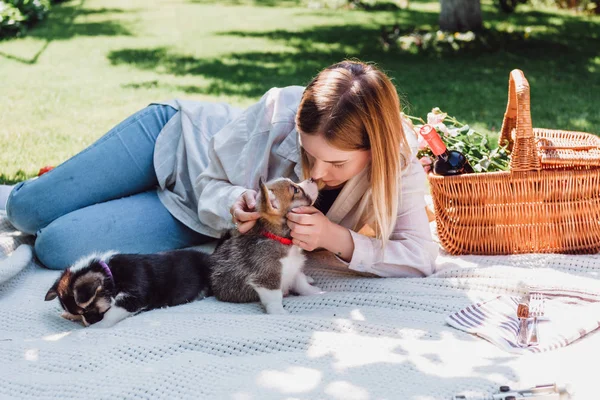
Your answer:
<point x="102" y="199"/>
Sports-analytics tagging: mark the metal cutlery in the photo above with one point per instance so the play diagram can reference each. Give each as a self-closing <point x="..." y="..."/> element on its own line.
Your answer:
<point x="536" y="311"/>
<point x="523" y="315"/>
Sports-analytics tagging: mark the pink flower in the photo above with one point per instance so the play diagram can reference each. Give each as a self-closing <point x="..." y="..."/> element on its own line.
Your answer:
<point x="443" y="128"/>
<point x="436" y="116"/>
<point x="436" y="119"/>
<point x="426" y="163"/>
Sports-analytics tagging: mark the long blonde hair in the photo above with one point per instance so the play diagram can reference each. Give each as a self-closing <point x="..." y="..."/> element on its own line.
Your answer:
<point x="355" y="106"/>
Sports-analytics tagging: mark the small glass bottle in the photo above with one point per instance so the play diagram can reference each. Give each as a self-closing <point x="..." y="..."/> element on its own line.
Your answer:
<point x="447" y="162"/>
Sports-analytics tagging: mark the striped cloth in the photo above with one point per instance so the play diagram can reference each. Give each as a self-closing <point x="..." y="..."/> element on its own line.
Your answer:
<point x="570" y="314"/>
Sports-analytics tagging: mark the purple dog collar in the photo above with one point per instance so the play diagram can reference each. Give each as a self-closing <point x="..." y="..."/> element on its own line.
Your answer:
<point x="106" y="269"/>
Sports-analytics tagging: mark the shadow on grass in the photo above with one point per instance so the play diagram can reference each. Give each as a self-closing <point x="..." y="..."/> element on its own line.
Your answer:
<point x="61" y="24"/>
<point x="556" y="62"/>
<point x="378" y="6"/>
<point x="258" y="3"/>
<point x="357" y="4"/>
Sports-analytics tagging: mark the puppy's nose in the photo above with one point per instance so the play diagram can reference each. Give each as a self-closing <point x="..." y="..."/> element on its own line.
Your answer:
<point x="311" y="189"/>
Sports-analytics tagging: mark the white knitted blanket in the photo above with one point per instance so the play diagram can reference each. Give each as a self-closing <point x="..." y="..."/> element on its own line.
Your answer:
<point x="366" y="338"/>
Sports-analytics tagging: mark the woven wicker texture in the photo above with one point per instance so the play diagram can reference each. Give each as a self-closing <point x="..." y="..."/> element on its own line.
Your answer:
<point x="567" y="149"/>
<point x="548" y="202"/>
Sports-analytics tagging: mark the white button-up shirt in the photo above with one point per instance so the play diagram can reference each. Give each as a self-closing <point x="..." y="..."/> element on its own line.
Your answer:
<point x="209" y="153"/>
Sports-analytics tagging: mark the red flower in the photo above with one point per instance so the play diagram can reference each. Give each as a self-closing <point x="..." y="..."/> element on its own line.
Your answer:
<point x="45" y="169"/>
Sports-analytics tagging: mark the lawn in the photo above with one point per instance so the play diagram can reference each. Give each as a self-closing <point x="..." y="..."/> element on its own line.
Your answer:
<point x="94" y="62"/>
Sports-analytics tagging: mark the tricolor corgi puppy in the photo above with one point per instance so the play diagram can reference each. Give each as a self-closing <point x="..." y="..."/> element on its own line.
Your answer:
<point x="263" y="264"/>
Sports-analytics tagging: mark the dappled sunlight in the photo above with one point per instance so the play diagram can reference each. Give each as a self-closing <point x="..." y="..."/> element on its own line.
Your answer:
<point x="237" y="53"/>
<point x="301" y="53"/>
<point x="32" y="354"/>
<point x="342" y="365"/>
<point x="56" y="336"/>
<point x="301" y="380"/>
<point x="65" y="22"/>
<point x="517" y="267"/>
<point x="544" y="368"/>
<point x="291" y="380"/>
<point x="351" y="350"/>
<point x="344" y="324"/>
<point x="258" y="3"/>
<point x="76" y="19"/>
<point x="357" y="315"/>
<point x="441" y="357"/>
<point x="344" y="390"/>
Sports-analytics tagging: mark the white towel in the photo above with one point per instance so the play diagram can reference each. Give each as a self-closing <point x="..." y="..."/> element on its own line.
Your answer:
<point x="569" y="315"/>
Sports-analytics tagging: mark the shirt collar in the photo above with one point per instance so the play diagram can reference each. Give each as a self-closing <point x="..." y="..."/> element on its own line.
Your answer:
<point x="290" y="149"/>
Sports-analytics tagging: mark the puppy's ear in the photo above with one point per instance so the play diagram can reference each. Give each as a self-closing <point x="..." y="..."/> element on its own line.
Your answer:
<point x="266" y="204"/>
<point x="52" y="292"/>
<point x="262" y="186"/>
<point x="60" y="286"/>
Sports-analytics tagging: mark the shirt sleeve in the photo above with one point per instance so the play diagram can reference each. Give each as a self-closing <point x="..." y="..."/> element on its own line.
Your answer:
<point x="238" y="156"/>
<point x="410" y="250"/>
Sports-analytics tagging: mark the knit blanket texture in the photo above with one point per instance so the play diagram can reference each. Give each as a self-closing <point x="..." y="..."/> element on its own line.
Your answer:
<point x="365" y="338"/>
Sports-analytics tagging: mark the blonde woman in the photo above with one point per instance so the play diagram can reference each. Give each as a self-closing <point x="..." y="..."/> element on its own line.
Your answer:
<point x="181" y="173"/>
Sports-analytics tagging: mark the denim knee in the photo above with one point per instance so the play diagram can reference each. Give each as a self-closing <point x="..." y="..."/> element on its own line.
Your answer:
<point x="165" y="111"/>
<point x="52" y="245"/>
<point x="21" y="209"/>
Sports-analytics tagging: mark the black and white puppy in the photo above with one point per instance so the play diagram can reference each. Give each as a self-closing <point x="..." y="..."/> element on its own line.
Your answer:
<point x="103" y="289"/>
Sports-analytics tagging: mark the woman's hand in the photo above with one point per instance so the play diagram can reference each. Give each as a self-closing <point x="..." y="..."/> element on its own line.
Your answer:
<point x="242" y="211"/>
<point x="309" y="227"/>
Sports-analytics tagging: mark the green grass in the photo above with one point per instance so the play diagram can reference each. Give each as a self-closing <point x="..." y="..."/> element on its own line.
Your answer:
<point x="94" y="62"/>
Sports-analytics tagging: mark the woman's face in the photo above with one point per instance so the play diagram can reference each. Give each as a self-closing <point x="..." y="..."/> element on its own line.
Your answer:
<point x="332" y="165"/>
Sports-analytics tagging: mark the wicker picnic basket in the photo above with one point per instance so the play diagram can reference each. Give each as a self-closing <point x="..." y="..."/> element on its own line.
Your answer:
<point x="548" y="202"/>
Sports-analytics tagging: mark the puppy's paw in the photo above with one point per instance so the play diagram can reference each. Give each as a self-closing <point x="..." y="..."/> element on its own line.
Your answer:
<point x="310" y="279"/>
<point x="309" y="290"/>
<point x="70" y="317"/>
<point x="276" y="309"/>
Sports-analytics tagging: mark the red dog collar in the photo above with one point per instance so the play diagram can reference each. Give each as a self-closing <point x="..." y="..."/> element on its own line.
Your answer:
<point x="282" y="240"/>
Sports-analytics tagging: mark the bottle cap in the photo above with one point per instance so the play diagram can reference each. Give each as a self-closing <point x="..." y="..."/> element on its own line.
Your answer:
<point x="434" y="140"/>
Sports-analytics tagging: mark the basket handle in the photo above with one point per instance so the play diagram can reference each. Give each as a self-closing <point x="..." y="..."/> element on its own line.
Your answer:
<point x="524" y="156"/>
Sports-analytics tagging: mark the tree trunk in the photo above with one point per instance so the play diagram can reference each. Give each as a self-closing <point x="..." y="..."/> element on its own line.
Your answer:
<point x="460" y="15"/>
